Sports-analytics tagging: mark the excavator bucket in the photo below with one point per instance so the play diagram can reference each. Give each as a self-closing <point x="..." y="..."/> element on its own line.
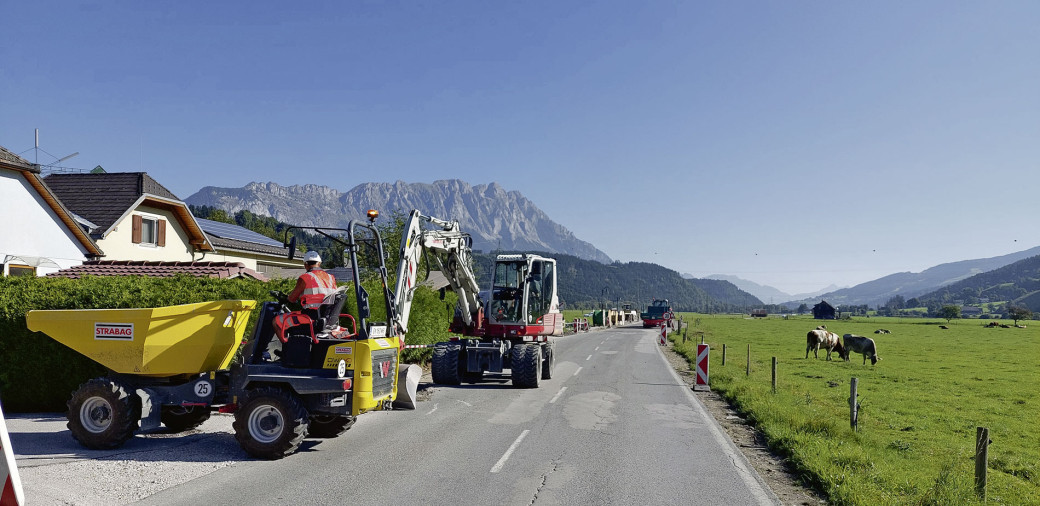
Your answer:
<point x="158" y="342"/>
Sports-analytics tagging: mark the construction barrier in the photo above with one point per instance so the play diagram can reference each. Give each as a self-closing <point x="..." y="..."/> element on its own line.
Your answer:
<point x="702" y="369"/>
<point x="581" y="324"/>
<point x="12" y="492"/>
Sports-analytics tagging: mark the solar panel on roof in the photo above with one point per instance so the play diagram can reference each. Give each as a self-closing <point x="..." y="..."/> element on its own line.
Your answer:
<point x="235" y="232"/>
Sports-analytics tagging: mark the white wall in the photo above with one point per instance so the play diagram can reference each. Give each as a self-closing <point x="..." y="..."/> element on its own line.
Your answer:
<point x="28" y="226"/>
<point x="118" y="244"/>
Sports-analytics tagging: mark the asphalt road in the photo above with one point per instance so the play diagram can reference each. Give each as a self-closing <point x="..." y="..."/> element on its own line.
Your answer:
<point x="614" y="426"/>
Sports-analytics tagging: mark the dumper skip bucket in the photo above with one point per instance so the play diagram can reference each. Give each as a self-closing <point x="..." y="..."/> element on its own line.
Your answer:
<point x="161" y="341"/>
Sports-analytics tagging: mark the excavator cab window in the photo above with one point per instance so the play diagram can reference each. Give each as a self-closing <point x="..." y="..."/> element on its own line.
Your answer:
<point x="507" y="292"/>
<point x="539" y="290"/>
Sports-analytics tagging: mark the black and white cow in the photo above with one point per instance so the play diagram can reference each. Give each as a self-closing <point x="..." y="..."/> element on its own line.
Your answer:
<point x="862" y="345"/>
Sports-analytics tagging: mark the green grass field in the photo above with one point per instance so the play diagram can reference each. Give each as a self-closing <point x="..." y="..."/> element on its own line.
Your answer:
<point x="920" y="405"/>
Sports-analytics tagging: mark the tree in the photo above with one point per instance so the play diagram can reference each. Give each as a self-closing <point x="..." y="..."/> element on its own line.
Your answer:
<point x="950" y="312"/>
<point x="803" y="308"/>
<point x="1019" y="313"/>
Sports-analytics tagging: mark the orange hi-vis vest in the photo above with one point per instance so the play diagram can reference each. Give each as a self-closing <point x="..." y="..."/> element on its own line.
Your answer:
<point x="317" y="284"/>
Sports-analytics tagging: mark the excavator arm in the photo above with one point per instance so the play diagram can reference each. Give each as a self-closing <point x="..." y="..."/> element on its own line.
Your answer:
<point x="451" y="248"/>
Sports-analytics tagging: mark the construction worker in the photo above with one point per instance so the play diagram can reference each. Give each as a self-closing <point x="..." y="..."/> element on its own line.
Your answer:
<point x="314" y="285"/>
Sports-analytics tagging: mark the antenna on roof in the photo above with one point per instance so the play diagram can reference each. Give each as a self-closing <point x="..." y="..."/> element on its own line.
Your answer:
<point x="53" y="166"/>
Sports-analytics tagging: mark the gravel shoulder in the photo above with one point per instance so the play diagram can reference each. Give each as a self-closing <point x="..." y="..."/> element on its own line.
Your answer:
<point x="773" y="468"/>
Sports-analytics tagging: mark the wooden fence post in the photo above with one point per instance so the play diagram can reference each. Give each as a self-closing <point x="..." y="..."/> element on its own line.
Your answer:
<point x="854" y="404"/>
<point x="774" y="375"/>
<point x="749" y="359"/>
<point x="723" y="354"/>
<point x="981" y="457"/>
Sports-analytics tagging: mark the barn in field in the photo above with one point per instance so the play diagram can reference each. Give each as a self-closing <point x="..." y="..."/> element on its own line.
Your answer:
<point x="823" y="311"/>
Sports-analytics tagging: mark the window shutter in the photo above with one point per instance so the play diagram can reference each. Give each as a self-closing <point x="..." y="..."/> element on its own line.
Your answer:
<point x="136" y="233"/>
<point x="160" y="235"/>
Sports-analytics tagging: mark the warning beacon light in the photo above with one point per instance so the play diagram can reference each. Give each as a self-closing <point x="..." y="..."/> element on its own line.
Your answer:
<point x="372" y="215"/>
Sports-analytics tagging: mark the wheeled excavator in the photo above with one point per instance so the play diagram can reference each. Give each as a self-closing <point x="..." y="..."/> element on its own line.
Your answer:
<point x="511" y="329"/>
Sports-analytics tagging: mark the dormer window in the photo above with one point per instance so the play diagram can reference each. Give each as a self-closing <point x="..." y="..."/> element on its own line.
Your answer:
<point x="149" y="230"/>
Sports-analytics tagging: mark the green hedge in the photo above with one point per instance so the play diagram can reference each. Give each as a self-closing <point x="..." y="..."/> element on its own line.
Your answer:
<point x="37" y="373"/>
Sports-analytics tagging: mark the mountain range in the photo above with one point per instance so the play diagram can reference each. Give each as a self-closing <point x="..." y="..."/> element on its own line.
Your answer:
<point x="911" y="284"/>
<point x="766" y="293"/>
<point x="497" y="219"/>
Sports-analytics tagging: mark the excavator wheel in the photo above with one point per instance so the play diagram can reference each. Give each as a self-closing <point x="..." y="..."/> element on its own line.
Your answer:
<point x="329" y="426"/>
<point x="445" y="366"/>
<point x="103" y="414"/>
<point x="270" y="423"/>
<point x="527" y="365"/>
<point x="548" y="361"/>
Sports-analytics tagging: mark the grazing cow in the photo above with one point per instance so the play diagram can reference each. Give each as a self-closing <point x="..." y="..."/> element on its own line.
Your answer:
<point x="820" y="338"/>
<point x="882" y="331"/>
<point x="861" y="345"/>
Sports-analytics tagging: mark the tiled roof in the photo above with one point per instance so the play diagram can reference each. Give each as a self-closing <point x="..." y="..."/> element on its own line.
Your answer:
<point x="10" y="157"/>
<point x="159" y="269"/>
<point x="104" y="198"/>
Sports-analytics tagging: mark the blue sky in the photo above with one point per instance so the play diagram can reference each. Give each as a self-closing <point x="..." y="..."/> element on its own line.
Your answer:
<point x="795" y="144"/>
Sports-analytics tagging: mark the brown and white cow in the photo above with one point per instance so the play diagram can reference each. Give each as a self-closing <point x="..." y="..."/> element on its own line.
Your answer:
<point x="820" y="338"/>
<point x="862" y="345"/>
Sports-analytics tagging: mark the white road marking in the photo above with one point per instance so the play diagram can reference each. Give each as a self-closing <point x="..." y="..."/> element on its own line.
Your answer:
<point x="557" y="396"/>
<point x="464" y="402"/>
<point x="597" y="349"/>
<point x="576" y="372"/>
<point x="588" y="357"/>
<point x="502" y="461"/>
<point x="430" y="412"/>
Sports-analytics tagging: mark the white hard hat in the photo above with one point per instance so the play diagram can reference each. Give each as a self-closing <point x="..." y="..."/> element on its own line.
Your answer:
<point x="311" y="256"/>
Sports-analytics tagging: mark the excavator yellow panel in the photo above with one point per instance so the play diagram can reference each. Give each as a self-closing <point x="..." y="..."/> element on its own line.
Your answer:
<point x="158" y="342"/>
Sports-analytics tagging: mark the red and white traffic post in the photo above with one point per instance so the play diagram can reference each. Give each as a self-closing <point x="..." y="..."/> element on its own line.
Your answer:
<point x="11" y="493"/>
<point x="702" y="369"/>
<point x="664" y="335"/>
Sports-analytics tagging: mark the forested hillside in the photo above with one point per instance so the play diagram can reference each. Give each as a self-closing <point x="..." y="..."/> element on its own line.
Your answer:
<point x="1018" y="283"/>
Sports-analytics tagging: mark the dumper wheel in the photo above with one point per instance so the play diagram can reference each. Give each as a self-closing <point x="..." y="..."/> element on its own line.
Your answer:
<point x="330" y="426"/>
<point x="527" y="365"/>
<point x="182" y="418"/>
<point x="270" y="423"/>
<point x="103" y="414"/>
<point x="445" y="366"/>
<point x="548" y="361"/>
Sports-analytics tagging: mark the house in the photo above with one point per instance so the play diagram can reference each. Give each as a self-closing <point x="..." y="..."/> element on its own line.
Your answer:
<point x="823" y="311"/>
<point x="134" y="217"/>
<point x="39" y="235"/>
<point x="145" y="229"/>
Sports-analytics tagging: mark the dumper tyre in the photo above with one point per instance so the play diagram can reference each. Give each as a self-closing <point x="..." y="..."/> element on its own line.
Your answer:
<point x="183" y="418"/>
<point x="103" y="414"/>
<point x="270" y="423"/>
<point x="445" y="366"/>
<point x="329" y="426"/>
<point x="527" y="365"/>
<point x="548" y="361"/>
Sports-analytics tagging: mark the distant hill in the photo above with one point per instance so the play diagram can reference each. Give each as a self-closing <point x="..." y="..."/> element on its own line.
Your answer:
<point x="765" y="293"/>
<point x="496" y="218"/>
<point x="1018" y="283"/>
<point x="909" y="284"/>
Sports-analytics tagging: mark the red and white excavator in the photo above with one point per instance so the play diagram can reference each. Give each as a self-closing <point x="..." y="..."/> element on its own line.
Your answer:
<point x="511" y="330"/>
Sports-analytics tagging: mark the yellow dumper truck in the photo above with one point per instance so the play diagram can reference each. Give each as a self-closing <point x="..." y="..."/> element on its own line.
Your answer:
<point x="302" y="375"/>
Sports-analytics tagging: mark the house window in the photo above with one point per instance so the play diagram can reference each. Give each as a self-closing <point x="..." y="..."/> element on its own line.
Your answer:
<point x="20" y="270"/>
<point x="149" y="230"/>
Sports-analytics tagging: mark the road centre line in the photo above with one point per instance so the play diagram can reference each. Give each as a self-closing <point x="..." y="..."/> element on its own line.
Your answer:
<point x="557" y="396"/>
<point x="596" y="349"/>
<point x="576" y="372"/>
<point x="588" y="357"/>
<point x="502" y="461"/>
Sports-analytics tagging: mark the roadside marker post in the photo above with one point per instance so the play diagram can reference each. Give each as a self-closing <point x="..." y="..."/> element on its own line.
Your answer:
<point x="11" y="494"/>
<point x="702" y="369"/>
<point x="664" y="335"/>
